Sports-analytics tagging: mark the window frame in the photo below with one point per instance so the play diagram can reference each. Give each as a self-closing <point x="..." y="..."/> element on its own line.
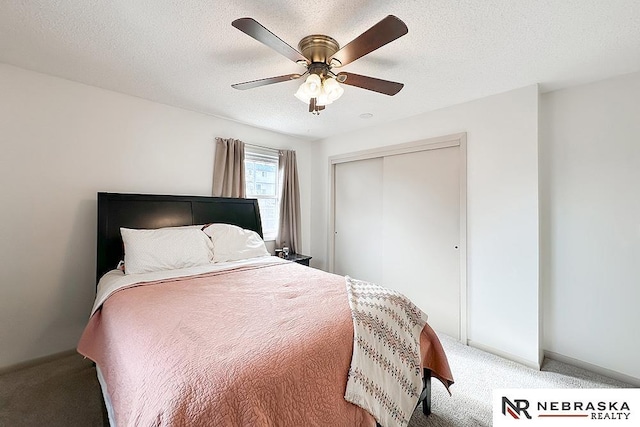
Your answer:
<point x="271" y="157"/>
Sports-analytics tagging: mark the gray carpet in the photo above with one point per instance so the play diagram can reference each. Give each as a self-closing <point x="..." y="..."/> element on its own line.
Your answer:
<point x="477" y="374"/>
<point x="65" y="392"/>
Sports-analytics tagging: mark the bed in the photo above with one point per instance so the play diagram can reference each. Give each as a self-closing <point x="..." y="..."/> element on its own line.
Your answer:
<point x="255" y="341"/>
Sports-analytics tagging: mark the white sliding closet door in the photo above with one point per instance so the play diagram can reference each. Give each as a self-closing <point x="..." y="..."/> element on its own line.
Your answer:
<point x="397" y="223"/>
<point x="421" y="232"/>
<point x="358" y="213"/>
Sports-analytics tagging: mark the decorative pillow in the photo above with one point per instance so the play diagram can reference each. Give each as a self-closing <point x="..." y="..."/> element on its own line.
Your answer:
<point x="165" y="249"/>
<point x="232" y="243"/>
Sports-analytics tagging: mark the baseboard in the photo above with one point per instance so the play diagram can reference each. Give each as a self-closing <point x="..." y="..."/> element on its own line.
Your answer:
<point x="36" y="361"/>
<point x="529" y="363"/>
<point x="593" y="368"/>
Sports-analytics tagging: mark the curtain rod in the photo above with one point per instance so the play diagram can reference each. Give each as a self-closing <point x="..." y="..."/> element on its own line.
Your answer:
<point x="262" y="146"/>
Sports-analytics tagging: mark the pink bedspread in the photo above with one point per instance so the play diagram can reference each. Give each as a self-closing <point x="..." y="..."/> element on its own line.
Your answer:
<point x="250" y="347"/>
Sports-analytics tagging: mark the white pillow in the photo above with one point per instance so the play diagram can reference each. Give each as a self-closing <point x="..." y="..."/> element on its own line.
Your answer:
<point x="232" y="243"/>
<point x="165" y="249"/>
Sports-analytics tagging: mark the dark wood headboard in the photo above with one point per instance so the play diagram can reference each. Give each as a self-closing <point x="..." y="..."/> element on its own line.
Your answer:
<point x="147" y="211"/>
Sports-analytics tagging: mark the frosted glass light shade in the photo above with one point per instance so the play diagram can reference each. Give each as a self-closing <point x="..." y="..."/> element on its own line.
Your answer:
<point x="323" y="99"/>
<point x="313" y="86"/>
<point x="332" y="89"/>
<point x="301" y="95"/>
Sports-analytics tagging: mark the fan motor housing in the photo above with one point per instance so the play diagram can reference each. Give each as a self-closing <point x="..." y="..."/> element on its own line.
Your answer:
<point x="318" y="47"/>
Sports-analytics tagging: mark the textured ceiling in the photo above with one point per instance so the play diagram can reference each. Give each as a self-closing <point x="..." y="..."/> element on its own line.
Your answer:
<point x="186" y="53"/>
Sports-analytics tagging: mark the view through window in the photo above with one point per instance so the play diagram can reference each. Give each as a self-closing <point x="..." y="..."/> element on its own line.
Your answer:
<point x="261" y="174"/>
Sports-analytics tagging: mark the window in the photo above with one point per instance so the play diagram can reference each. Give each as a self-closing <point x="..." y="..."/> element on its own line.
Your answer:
<point x="261" y="175"/>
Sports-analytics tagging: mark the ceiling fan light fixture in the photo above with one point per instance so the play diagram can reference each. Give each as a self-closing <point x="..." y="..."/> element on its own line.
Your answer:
<point x="327" y="91"/>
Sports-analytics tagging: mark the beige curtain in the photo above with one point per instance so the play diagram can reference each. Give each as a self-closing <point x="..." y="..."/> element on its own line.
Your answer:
<point x="289" y="227"/>
<point x="228" y="168"/>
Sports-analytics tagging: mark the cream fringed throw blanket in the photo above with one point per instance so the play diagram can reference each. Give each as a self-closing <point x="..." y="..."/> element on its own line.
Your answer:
<point x="384" y="377"/>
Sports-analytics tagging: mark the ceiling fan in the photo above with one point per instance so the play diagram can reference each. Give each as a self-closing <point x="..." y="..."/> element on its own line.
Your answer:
<point x="320" y="54"/>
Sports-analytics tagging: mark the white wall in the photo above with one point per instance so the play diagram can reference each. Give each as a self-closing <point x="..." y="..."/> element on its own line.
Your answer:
<point x="60" y="143"/>
<point x="590" y="221"/>
<point x="502" y="174"/>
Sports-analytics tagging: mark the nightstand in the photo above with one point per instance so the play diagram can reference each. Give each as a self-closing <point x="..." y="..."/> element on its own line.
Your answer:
<point x="299" y="258"/>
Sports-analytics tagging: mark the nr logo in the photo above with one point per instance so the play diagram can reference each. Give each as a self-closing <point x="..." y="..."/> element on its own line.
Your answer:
<point x="516" y="408"/>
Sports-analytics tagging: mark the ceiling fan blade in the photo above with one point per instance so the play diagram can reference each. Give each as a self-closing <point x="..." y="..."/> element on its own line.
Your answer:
<point x="371" y="83"/>
<point x="264" y="82"/>
<point x="254" y="29"/>
<point x="385" y="31"/>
